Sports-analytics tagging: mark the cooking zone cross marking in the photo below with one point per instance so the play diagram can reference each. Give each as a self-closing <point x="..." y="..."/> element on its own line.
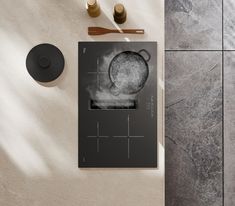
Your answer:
<point x="98" y="73"/>
<point x="128" y="136"/>
<point x="98" y="136"/>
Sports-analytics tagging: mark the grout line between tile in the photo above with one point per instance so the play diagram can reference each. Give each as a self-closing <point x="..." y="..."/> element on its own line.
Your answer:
<point x="223" y="50"/>
<point x="223" y="199"/>
<point x="194" y="50"/>
<point x="223" y="127"/>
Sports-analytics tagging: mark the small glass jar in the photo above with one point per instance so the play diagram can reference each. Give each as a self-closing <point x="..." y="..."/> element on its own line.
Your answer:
<point x="119" y="14"/>
<point x="93" y="8"/>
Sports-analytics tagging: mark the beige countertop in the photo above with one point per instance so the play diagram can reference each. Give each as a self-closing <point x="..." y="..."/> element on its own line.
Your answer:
<point x="38" y="124"/>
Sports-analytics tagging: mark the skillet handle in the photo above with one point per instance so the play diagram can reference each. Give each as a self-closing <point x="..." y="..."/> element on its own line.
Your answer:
<point x="146" y="54"/>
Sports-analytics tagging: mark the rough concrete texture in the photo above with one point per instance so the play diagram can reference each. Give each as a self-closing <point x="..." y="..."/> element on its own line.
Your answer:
<point x="193" y="25"/>
<point x="229" y="129"/>
<point x="194" y="129"/>
<point x="229" y="24"/>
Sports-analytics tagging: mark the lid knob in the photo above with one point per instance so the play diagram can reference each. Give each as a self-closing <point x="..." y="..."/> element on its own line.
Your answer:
<point x="44" y="62"/>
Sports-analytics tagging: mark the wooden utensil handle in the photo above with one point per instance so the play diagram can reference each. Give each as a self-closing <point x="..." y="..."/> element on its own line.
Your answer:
<point x="129" y="31"/>
<point x="133" y="31"/>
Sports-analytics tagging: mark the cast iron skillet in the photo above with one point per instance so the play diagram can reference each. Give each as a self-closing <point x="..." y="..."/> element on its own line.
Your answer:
<point x="128" y="72"/>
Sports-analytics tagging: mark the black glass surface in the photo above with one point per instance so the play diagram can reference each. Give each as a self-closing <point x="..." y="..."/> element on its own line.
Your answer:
<point x="117" y="129"/>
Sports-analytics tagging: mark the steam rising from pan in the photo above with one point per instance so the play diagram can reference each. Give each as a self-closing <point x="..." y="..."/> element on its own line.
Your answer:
<point x="101" y="90"/>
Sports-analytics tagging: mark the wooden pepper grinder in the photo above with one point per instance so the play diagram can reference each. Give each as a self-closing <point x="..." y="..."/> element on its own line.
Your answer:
<point x="119" y="14"/>
<point x="93" y="8"/>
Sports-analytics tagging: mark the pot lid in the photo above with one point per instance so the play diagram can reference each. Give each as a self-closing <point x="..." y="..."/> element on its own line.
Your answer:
<point x="45" y="62"/>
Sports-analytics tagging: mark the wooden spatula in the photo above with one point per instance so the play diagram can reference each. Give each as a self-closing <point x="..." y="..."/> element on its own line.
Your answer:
<point x="101" y="31"/>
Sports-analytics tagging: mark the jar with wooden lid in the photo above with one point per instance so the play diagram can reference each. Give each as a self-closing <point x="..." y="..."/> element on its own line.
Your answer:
<point x="119" y="14"/>
<point x="93" y="8"/>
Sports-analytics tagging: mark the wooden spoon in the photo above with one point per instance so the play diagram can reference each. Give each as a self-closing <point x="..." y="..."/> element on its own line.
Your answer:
<point x="101" y="31"/>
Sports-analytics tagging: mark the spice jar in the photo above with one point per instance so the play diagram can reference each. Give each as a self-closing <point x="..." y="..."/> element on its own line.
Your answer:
<point x="93" y="8"/>
<point x="119" y="14"/>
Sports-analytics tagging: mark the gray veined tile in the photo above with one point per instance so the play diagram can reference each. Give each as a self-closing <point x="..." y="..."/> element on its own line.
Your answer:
<point x="229" y="24"/>
<point x="193" y="25"/>
<point x="229" y="128"/>
<point x="194" y="129"/>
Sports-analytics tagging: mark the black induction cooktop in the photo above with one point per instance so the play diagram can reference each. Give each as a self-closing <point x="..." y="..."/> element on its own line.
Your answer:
<point x="118" y="104"/>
